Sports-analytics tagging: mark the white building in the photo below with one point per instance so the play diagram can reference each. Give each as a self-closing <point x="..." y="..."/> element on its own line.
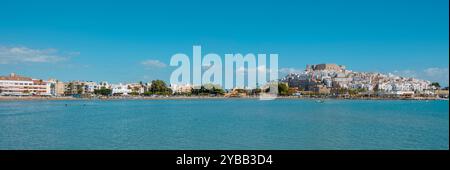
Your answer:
<point x="90" y="86"/>
<point x="136" y="88"/>
<point x="182" y="88"/>
<point x="16" y="85"/>
<point x="57" y="87"/>
<point x="120" y="89"/>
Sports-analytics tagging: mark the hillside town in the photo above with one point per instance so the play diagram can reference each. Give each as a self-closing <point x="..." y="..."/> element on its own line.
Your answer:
<point x="321" y="80"/>
<point x="332" y="79"/>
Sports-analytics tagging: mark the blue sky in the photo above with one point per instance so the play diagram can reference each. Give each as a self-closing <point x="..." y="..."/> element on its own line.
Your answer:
<point x="112" y="40"/>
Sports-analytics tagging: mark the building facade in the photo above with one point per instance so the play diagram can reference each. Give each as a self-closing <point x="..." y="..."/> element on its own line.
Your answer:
<point x="16" y="85"/>
<point x="181" y="89"/>
<point x="57" y="87"/>
<point x="322" y="77"/>
<point x="120" y="89"/>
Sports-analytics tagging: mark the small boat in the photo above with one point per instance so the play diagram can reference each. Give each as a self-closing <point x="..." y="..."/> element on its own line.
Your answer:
<point x="320" y="101"/>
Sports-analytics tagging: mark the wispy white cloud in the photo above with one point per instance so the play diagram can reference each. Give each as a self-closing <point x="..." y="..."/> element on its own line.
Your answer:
<point x="290" y="70"/>
<point x="437" y="74"/>
<point x="434" y="74"/>
<point x="12" y="55"/>
<point x="73" y="53"/>
<point x="406" y="73"/>
<point x="154" y="64"/>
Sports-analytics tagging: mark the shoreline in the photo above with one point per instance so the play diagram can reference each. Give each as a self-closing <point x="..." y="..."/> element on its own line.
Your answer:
<point x="37" y="98"/>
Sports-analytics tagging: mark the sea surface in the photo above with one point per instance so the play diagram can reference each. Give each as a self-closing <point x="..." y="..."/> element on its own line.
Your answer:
<point x="224" y="124"/>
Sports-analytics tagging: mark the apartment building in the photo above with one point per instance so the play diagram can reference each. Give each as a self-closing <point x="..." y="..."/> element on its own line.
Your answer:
<point x="16" y="85"/>
<point x="57" y="87"/>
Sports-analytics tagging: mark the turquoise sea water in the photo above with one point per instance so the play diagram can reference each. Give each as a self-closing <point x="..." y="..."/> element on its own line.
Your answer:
<point x="224" y="124"/>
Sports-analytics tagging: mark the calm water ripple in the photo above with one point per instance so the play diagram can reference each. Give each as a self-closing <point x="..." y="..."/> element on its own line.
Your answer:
<point x="224" y="124"/>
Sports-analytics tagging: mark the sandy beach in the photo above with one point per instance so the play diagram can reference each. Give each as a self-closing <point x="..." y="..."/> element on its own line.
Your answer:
<point x="25" y="98"/>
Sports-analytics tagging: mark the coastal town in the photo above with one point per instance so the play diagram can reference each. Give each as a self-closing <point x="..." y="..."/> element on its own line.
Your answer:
<point x="316" y="81"/>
